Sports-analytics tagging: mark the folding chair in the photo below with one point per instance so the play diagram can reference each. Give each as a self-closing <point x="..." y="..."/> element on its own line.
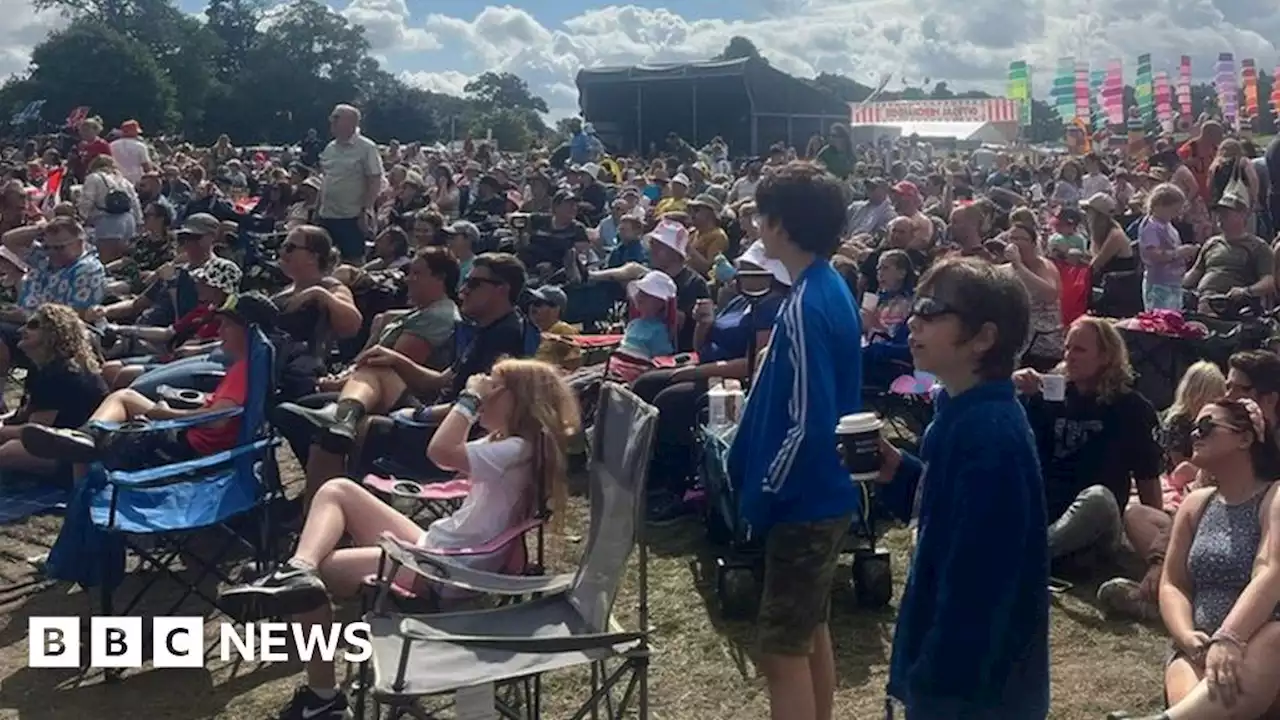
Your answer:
<point x="569" y="625"/>
<point x="169" y="504"/>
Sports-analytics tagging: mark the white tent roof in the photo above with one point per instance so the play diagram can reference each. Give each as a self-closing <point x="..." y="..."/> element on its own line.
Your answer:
<point x="984" y="132"/>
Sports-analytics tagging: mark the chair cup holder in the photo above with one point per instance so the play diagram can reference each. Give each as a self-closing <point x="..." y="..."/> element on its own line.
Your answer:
<point x="406" y="489"/>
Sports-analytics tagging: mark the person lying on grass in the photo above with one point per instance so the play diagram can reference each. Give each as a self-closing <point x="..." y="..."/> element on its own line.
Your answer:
<point x="529" y="413"/>
<point x="87" y="444"/>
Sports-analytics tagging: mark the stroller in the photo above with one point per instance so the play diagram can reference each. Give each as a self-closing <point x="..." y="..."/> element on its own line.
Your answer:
<point x="739" y="557"/>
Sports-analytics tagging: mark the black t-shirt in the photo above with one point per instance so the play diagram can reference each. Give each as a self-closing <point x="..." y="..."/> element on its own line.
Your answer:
<point x="481" y="347"/>
<point x="690" y="288"/>
<point x="74" y="395"/>
<point x="1083" y="442"/>
<point x="550" y="244"/>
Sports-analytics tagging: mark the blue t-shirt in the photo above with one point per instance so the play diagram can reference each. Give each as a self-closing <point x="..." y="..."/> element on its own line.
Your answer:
<point x="730" y="335"/>
<point x="648" y="338"/>
<point x="625" y="252"/>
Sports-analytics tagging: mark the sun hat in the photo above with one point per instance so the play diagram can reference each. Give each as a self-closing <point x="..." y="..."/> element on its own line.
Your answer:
<point x="755" y="255"/>
<point x="673" y="235"/>
<point x="656" y="284"/>
<point x="219" y="274"/>
<point x="1102" y="203"/>
<point x="549" y="295"/>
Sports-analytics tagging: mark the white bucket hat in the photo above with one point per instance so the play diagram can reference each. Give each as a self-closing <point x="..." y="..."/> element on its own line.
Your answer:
<point x="673" y="235"/>
<point x="220" y="274"/>
<point x="755" y="255"/>
<point x="656" y="284"/>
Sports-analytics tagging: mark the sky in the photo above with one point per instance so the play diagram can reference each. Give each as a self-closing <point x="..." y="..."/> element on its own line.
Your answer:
<point x="441" y="44"/>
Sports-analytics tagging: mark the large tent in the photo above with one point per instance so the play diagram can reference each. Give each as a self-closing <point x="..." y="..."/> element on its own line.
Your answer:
<point x="747" y="102"/>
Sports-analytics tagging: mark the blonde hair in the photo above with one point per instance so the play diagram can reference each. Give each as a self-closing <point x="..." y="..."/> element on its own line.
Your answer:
<point x="1200" y="385"/>
<point x="1165" y="195"/>
<point x="545" y="414"/>
<point x="66" y="338"/>
<point x="1116" y="376"/>
<point x="103" y="163"/>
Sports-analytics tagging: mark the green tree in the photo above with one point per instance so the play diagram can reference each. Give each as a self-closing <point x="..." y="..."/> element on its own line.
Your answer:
<point x="235" y="24"/>
<point x="510" y="128"/>
<point x="499" y="91"/>
<point x="90" y="64"/>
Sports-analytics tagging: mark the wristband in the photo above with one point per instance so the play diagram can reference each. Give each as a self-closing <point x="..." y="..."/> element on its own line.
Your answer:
<point x="1226" y="637"/>
<point x="467" y="404"/>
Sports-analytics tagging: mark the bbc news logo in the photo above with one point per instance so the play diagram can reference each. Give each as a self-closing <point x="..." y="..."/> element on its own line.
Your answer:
<point x="179" y="642"/>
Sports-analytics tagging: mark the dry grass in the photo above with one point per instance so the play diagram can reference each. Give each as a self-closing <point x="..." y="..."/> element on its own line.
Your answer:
<point x="700" y="669"/>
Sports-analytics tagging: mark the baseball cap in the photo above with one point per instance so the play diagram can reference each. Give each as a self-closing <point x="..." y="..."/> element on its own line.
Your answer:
<point x="906" y="187"/>
<point x="465" y="228"/>
<point x="549" y="295"/>
<point x="200" y="224"/>
<point x="251" y="309"/>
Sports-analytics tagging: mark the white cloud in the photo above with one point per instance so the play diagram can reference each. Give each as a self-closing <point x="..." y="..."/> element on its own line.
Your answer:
<point x="21" y="29"/>
<point x="449" y="82"/>
<point x="969" y="44"/>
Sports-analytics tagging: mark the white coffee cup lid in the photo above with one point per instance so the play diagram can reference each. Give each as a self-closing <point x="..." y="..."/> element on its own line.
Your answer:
<point x="859" y="422"/>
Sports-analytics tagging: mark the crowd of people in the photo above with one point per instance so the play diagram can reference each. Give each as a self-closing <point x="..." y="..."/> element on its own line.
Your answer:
<point x="452" y="288"/>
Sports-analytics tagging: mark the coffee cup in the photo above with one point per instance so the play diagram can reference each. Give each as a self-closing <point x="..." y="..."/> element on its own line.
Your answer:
<point x="859" y="436"/>
<point x="870" y="301"/>
<point x="1053" y="387"/>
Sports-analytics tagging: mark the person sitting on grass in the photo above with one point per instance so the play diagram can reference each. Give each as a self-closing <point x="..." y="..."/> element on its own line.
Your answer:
<point x="972" y="637"/>
<point x="1221" y="581"/>
<point x="528" y="413"/>
<point x="86" y="444"/>
<point x="61" y="390"/>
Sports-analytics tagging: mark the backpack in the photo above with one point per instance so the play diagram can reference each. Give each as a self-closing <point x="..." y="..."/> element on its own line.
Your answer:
<point x="117" y="201"/>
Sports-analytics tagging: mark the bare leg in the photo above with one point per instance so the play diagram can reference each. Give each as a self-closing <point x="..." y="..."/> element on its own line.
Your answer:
<point x="127" y="375"/>
<point x="322" y="466"/>
<point x="13" y="456"/>
<point x="343" y="507"/>
<point x="791" y="687"/>
<point x="123" y="405"/>
<point x="1259" y="679"/>
<point x="822" y="665"/>
<point x="110" y="369"/>
<point x="376" y="389"/>
<point x="1148" y="531"/>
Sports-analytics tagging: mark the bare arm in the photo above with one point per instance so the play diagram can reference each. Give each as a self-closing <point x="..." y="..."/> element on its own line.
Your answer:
<point x="1175" y="580"/>
<point x="1111" y="247"/>
<point x="448" y="446"/>
<point x="1044" y="286"/>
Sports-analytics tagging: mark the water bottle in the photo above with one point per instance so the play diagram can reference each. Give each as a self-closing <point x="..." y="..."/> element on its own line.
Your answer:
<point x="718" y="404"/>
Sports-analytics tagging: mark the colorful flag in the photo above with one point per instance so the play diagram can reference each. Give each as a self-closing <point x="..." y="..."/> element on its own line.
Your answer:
<point x="1143" y="90"/>
<point x="1227" y="87"/>
<point x="77" y="116"/>
<point x="1184" y="86"/>
<point x="1020" y="90"/>
<point x="1113" y="93"/>
<point x="1064" y="90"/>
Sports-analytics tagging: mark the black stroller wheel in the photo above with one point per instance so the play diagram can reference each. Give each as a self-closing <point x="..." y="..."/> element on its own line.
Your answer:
<point x="872" y="578"/>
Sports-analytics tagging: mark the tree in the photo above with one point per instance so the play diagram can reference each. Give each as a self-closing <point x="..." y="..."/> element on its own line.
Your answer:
<point x="90" y="64"/>
<point x="739" y="48"/>
<point x="568" y="126"/>
<point x="510" y="128"/>
<point x="235" y="24"/>
<point x="842" y="87"/>
<point x="494" y="91"/>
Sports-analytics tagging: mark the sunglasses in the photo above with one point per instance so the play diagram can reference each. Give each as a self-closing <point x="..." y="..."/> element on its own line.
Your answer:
<point x="1205" y="426"/>
<point x="290" y="247"/>
<point x="32" y="324"/>
<point x="929" y="308"/>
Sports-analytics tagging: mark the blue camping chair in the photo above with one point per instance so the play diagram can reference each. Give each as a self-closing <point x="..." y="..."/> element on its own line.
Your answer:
<point x="169" y="504"/>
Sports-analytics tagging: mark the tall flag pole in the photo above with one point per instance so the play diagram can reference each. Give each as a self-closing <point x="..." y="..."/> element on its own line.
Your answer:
<point x="1275" y="92"/>
<point x="1082" y="91"/>
<point x="1164" y="101"/>
<point x="1225" y="77"/>
<point x="1113" y="92"/>
<point x="1249" y="75"/>
<point x="1096" y="80"/>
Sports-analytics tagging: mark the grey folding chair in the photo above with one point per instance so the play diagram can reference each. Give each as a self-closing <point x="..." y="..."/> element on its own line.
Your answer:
<point x="569" y="622"/>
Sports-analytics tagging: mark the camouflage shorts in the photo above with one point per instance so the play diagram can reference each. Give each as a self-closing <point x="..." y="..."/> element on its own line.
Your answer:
<point x="799" y="568"/>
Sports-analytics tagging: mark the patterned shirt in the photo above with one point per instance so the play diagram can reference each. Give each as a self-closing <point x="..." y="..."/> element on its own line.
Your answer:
<point x="80" y="285"/>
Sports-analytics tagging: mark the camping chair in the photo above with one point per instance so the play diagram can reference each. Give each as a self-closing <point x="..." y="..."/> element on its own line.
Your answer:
<point x="570" y="625"/>
<point x="171" y="503"/>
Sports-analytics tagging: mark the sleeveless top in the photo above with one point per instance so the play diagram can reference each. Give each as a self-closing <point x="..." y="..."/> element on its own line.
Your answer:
<point x="1220" y="561"/>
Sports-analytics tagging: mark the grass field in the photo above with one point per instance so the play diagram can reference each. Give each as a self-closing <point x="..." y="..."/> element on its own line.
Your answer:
<point x="701" y="667"/>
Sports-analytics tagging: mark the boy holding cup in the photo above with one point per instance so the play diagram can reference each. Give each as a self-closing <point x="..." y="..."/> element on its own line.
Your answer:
<point x="972" y="637"/>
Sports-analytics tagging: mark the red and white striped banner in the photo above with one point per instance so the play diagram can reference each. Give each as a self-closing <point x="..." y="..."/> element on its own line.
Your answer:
<point x="1000" y="110"/>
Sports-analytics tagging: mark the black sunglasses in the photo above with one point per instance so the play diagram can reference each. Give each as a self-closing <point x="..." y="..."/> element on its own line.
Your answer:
<point x="1205" y="426"/>
<point x="33" y="324"/>
<point x="929" y="308"/>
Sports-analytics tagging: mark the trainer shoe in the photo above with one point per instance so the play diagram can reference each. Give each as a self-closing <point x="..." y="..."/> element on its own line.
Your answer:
<point x="63" y="444"/>
<point x="307" y="705"/>
<point x="287" y="591"/>
<point x="1122" y="598"/>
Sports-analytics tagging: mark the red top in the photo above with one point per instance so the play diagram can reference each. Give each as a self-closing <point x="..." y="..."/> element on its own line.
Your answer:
<point x="207" y="440"/>
<point x="201" y="319"/>
<point x="92" y="149"/>
<point x="1198" y="164"/>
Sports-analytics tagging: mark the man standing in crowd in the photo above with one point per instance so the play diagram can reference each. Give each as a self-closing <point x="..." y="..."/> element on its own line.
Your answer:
<point x="352" y="182"/>
<point x="795" y="492"/>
